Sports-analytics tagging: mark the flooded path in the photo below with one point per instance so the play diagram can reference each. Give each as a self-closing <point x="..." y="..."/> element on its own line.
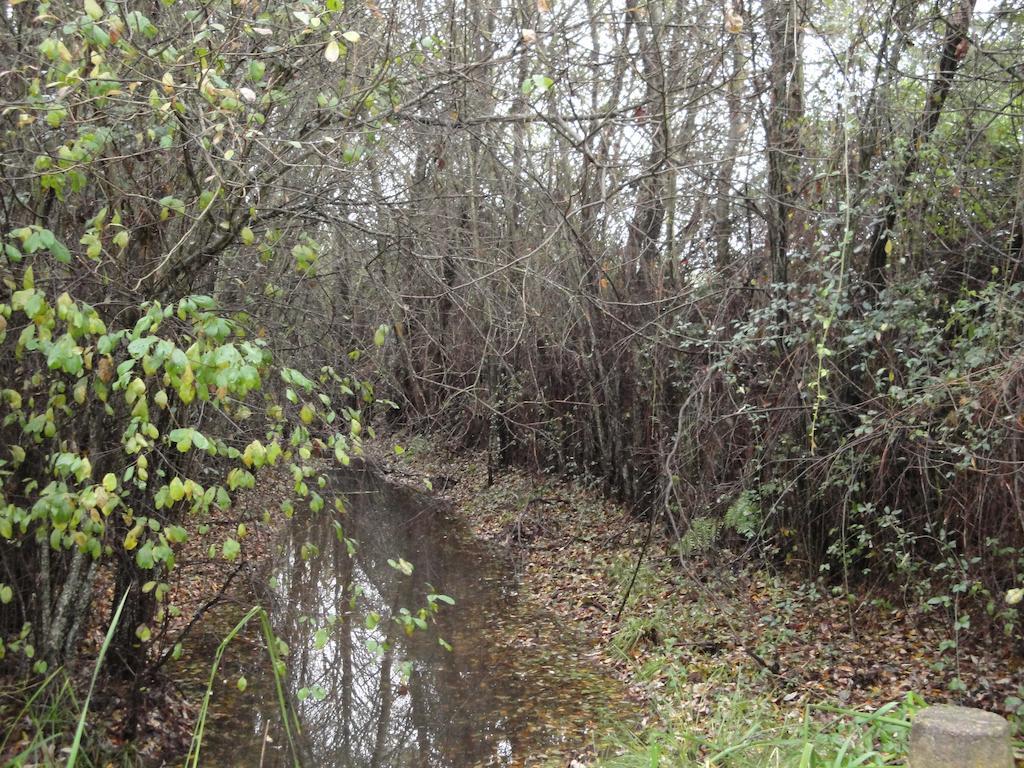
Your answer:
<point x="513" y="687"/>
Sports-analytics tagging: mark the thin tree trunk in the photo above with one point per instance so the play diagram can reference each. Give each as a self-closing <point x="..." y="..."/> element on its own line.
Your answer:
<point x="954" y="47"/>
<point x="642" y="249"/>
<point x="785" y="39"/>
<point x="723" y="182"/>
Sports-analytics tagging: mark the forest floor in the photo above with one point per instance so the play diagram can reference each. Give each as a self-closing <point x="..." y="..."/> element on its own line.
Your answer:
<point x="729" y="663"/>
<point x="732" y="661"/>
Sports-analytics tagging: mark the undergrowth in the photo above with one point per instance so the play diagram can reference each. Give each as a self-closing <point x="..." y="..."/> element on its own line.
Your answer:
<point x="747" y="731"/>
<point x="44" y="712"/>
<point x="733" y="717"/>
<point x="719" y="696"/>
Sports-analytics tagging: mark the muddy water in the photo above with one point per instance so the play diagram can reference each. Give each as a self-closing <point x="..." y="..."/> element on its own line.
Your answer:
<point x="515" y="686"/>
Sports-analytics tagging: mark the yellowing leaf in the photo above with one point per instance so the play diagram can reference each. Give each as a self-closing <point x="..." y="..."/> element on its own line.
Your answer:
<point x="332" y="51"/>
<point x="93" y="10"/>
<point x="352" y="36"/>
<point x="131" y="541"/>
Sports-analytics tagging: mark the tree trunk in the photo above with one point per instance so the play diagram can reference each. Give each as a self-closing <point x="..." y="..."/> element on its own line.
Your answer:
<point x="954" y="47"/>
<point x="649" y="214"/>
<point x="723" y="180"/>
<point x="785" y="39"/>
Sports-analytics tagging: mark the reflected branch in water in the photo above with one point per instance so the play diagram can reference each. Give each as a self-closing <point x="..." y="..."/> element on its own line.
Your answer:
<point x="379" y="698"/>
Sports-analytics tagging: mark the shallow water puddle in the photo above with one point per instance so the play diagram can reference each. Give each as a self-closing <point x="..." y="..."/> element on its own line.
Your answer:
<point x="515" y="686"/>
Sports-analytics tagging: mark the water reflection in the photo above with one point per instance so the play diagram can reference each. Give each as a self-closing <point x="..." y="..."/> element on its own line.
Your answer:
<point x="366" y="693"/>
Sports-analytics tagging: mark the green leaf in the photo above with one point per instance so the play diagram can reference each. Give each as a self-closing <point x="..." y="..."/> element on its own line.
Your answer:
<point x="404" y="566"/>
<point x="230" y="550"/>
<point x="140" y="347"/>
<point x="542" y="82"/>
<point x="144" y="557"/>
<point x="93" y="10"/>
<point x="180" y="435"/>
<point x="60" y="252"/>
<point x="320" y="639"/>
<point x="171" y="203"/>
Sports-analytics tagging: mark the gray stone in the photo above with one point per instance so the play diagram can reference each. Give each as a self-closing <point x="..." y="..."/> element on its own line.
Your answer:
<point x="959" y="737"/>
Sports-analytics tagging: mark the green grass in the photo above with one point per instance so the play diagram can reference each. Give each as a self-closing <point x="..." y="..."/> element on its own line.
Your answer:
<point x="49" y="711"/>
<point x="288" y="717"/>
<point x="709" y="708"/>
<point x="748" y="731"/>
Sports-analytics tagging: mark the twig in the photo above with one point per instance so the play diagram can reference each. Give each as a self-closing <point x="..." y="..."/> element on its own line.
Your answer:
<point x="639" y="562"/>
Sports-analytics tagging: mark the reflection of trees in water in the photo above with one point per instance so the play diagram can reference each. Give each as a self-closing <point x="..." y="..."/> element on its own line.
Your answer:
<point x="416" y="705"/>
<point x="443" y="710"/>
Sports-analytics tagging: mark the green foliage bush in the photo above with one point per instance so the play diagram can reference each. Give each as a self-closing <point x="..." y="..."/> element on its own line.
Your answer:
<point x="139" y="394"/>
